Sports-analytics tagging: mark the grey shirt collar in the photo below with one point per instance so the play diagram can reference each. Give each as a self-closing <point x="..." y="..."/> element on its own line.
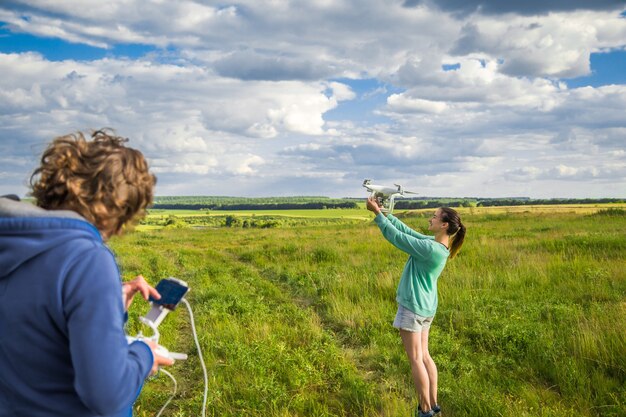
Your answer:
<point x="12" y="208"/>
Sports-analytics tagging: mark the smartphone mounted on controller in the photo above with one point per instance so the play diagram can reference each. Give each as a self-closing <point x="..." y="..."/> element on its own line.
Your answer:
<point x="172" y="291"/>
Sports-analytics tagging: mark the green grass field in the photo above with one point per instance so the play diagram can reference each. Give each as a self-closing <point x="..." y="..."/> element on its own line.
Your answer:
<point x="295" y="320"/>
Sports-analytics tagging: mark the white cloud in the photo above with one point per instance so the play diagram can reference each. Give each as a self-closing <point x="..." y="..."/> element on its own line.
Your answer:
<point x="20" y="98"/>
<point x="403" y="104"/>
<point x="555" y="45"/>
<point x="160" y="92"/>
<point x="206" y="127"/>
<point x="262" y="130"/>
<point x="566" y="173"/>
<point x="341" y="91"/>
<point x="253" y="65"/>
<point x="160" y="167"/>
<point x="246" y="166"/>
<point x="101" y="24"/>
<point x="498" y="7"/>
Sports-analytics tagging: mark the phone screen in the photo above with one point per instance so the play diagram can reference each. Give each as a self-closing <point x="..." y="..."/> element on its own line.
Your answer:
<point x="171" y="293"/>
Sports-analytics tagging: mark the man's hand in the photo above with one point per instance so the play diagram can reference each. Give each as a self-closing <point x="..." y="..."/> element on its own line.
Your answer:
<point x="139" y="284"/>
<point x="158" y="359"/>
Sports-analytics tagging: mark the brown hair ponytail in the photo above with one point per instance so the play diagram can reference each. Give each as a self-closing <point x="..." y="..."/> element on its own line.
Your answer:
<point x="456" y="229"/>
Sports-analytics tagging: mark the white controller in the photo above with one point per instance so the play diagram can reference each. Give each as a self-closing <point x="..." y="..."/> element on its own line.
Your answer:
<point x="160" y="350"/>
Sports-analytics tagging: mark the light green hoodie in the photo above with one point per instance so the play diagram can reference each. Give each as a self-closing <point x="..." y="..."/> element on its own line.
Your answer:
<point x="417" y="290"/>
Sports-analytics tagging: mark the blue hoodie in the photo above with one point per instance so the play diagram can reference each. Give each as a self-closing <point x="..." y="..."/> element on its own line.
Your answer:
<point x="63" y="351"/>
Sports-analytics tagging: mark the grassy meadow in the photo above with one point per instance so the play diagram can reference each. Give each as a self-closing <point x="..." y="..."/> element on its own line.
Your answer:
<point x="295" y="319"/>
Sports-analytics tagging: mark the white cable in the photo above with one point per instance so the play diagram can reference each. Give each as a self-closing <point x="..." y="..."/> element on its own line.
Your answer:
<point x="204" y="371"/>
<point x="155" y="331"/>
<point x="171" y="396"/>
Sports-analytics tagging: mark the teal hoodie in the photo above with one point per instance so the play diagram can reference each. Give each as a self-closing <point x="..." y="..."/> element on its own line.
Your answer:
<point x="417" y="290"/>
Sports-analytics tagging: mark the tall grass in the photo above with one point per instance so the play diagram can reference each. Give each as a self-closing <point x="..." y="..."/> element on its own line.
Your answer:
<point x="297" y="321"/>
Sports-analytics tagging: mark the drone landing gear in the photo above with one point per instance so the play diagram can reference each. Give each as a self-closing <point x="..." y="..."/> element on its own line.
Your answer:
<point x="386" y="203"/>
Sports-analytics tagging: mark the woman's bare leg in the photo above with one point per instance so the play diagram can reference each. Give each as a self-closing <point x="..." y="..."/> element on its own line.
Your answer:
<point x="431" y="368"/>
<point x="413" y="347"/>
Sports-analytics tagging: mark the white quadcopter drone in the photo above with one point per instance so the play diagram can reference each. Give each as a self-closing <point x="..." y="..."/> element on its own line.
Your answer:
<point x="384" y="194"/>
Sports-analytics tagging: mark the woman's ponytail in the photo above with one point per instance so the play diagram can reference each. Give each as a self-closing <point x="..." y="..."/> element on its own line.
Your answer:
<point x="456" y="229"/>
<point x="457" y="241"/>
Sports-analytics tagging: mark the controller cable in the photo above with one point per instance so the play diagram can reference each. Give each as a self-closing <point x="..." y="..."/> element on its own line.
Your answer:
<point x="204" y="371"/>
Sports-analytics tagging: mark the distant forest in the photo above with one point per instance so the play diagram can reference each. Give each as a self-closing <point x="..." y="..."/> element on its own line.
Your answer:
<point x="245" y="203"/>
<point x="318" y="202"/>
<point x="493" y="202"/>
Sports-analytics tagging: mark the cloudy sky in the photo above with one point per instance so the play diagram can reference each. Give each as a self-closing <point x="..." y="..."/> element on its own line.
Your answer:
<point x="453" y="98"/>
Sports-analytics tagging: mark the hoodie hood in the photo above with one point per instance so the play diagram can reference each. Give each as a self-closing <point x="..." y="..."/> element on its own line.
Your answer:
<point x="27" y="231"/>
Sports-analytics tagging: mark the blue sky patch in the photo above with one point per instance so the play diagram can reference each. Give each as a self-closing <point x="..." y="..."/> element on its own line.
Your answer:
<point x="371" y="95"/>
<point x="606" y="67"/>
<point x="451" y="67"/>
<point x="54" y="49"/>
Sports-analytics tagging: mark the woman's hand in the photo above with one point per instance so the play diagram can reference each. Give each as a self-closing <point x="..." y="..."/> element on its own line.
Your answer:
<point x="372" y="205"/>
<point x="139" y="284"/>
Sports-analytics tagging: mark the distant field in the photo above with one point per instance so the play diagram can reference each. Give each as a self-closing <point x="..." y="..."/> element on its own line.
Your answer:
<point x="295" y="319"/>
<point x="561" y="208"/>
<point x="158" y="218"/>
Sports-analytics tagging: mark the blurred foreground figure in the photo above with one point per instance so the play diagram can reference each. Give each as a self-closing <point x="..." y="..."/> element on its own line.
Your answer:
<point x="63" y="351"/>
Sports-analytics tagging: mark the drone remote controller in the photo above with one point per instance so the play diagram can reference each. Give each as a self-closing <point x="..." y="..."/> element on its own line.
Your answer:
<point x="160" y="350"/>
<point x="172" y="291"/>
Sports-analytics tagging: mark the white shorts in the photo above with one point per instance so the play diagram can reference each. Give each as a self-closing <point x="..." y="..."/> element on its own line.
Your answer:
<point x="411" y="322"/>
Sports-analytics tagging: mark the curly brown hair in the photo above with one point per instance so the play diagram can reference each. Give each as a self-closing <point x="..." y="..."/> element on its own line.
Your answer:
<point x="104" y="181"/>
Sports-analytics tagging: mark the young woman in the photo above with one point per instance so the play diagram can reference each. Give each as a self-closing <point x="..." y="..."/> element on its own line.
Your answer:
<point x="417" y="291"/>
<point x="63" y="350"/>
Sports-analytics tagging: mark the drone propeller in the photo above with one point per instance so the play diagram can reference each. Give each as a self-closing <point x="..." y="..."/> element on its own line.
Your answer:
<point x="410" y="192"/>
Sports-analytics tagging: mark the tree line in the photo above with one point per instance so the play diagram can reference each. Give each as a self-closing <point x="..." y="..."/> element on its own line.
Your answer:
<point x="497" y="202"/>
<point x="320" y="203"/>
<point x="267" y="206"/>
<point x="549" y="201"/>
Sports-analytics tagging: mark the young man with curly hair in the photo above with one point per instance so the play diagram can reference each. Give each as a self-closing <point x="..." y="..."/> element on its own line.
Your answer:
<point x="63" y="350"/>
